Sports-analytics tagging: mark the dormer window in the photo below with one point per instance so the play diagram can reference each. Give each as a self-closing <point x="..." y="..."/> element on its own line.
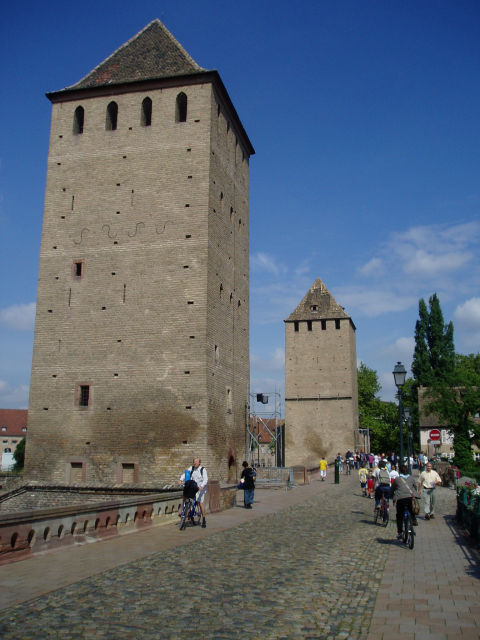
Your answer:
<point x="313" y="308"/>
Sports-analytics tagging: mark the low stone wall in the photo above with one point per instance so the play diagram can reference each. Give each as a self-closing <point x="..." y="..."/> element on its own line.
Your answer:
<point x="37" y="531"/>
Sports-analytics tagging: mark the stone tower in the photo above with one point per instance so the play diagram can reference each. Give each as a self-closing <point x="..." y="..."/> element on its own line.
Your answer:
<point x="141" y="351"/>
<point x="321" y="398"/>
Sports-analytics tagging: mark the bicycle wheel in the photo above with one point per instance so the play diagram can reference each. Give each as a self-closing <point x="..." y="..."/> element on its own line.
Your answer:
<point x="187" y="506"/>
<point x="197" y="515"/>
<point x="410" y="534"/>
<point x="385" y="515"/>
<point x="406" y="524"/>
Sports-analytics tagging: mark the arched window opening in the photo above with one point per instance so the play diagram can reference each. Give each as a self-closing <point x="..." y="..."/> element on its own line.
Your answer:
<point x="181" y="108"/>
<point x="112" y="116"/>
<point x="78" y="118"/>
<point x="146" y="117"/>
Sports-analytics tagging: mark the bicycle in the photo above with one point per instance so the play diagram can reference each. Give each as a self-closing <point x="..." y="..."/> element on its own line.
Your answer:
<point x="382" y="514"/>
<point x="408" y="532"/>
<point x="190" y="513"/>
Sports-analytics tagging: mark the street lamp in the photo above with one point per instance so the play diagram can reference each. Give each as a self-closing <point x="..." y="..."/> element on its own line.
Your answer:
<point x="399" y="375"/>
<point x="406" y="413"/>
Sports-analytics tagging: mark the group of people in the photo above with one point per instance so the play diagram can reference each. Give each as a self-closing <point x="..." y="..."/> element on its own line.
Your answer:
<point x="195" y="479"/>
<point x="387" y="481"/>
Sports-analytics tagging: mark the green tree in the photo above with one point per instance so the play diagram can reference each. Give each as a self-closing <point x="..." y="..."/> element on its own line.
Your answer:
<point x="381" y="418"/>
<point x="19" y="455"/>
<point x="434" y="353"/>
<point x="457" y="400"/>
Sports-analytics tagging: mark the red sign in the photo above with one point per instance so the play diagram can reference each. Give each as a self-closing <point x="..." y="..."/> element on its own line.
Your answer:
<point x="435" y="435"/>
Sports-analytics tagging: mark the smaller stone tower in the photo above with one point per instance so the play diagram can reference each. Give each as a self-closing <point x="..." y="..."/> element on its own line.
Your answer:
<point x="321" y="395"/>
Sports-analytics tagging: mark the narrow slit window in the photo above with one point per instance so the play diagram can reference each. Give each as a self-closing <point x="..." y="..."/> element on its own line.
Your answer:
<point x="112" y="117"/>
<point x="84" y="395"/>
<point x="337" y="324"/>
<point x="324" y="325"/>
<point x="146" y="116"/>
<point x="309" y="325"/>
<point x="296" y="326"/>
<point x="78" y="119"/>
<point x="77" y="269"/>
<point x="181" y="108"/>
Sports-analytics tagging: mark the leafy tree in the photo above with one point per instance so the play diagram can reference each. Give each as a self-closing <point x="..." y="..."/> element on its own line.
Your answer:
<point x="434" y="353"/>
<point x="457" y="401"/>
<point x="19" y="455"/>
<point x="421" y="367"/>
<point x="381" y="418"/>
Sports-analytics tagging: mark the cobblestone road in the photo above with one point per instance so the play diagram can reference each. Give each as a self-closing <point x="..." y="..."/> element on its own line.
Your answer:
<point x="309" y="571"/>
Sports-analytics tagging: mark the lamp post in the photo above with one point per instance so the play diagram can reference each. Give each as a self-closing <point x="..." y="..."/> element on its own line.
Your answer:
<point x="399" y="375"/>
<point x="406" y="413"/>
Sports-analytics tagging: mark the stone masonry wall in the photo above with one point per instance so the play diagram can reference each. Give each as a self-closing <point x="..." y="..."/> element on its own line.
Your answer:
<point x="134" y="207"/>
<point x="320" y="391"/>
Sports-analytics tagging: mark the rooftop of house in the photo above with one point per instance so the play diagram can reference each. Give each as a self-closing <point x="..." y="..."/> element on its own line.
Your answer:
<point x="13" y="422"/>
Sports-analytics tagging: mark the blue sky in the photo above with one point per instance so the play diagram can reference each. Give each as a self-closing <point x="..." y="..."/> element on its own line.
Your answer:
<point x="365" y="117"/>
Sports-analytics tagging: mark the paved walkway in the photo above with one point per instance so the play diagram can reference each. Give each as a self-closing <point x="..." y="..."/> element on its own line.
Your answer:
<point x="307" y="563"/>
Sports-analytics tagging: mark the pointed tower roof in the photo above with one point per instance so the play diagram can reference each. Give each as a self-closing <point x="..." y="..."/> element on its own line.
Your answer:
<point x="318" y="304"/>
<point x="151" y="54"/>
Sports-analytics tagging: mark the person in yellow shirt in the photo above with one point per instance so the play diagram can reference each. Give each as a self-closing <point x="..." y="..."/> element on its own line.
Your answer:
<point x="363" y="475"/>
<point x="323" y="468"/>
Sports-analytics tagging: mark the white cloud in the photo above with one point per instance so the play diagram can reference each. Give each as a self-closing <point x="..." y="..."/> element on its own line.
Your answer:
<point x="20" y="316"/>
<point x="263" y="262"/>
<point x="373" y="267"/>
<point x="402" y="349"/>
<point x="373" y="302"/>
<point x="468" y="314"/>
<point x="467" y="320"/>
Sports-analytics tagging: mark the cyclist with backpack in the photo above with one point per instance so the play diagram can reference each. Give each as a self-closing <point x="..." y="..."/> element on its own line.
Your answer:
<point x="195" y="479"/>
<point x="383" y="484"/>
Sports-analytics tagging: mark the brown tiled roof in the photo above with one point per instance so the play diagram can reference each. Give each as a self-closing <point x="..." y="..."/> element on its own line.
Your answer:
<point x="318" y="304"/>
<point x="14" y="420"/>
<point x="151" y="54"/>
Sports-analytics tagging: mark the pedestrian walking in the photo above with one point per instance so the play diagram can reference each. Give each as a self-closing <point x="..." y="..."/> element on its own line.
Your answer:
<point x="427" y="482"/>
<point x="248" y="481"/>
<point x="363" y="476"/>
<point x="323" y="468"/>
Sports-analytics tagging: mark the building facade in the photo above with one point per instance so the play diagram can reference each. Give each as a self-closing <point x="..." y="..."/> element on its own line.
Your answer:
<point x="141" y="349"/>
<point x="321" y="392"/>
<point x="13" y="427"/>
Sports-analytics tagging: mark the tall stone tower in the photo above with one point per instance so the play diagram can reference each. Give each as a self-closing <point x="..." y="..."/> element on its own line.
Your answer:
<point x="321" y="398"/>
<point x="141" y="352"/>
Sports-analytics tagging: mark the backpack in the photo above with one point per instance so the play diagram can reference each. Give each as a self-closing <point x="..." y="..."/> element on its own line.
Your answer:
<point x="190" y="489"/>
<point x="384" y="476"/>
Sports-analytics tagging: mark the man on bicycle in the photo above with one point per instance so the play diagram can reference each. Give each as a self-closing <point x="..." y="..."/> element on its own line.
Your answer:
<point x="198" y="475"/>
<point x="382" y="477"/>
<point x="403" y="490"/>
